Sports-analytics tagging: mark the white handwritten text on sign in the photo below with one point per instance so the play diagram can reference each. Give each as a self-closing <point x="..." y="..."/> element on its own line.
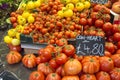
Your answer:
<point x="90" y="45"/>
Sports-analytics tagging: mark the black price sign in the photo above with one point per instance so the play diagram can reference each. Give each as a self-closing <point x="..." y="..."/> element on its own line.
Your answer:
<point x="90" y="45"/>
<point x="99" y="1"/>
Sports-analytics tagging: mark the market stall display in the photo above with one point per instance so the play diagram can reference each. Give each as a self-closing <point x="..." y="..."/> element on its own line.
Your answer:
<point x="56" y="23"/>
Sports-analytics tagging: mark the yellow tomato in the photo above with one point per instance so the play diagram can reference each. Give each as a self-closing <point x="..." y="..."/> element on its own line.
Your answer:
<point x="65" y="1"/>
<point x="68" y="13"/>
<point x="79" y="6"/>
<point x="18" y="36"/>
<point x="11" y="32"/>
<point x="31" y="19"/>
<point x="74" y="1"/>
<point x="21" y="20"/>
<point x="60" y="13"/>
<point x="7" y="39"/>
<point x="25" y="14"/>
<point x="70" y="6"/>
<point x="22" y="6"/>
<point x="82" y="0"/>
<point x="37" y="4"/>
<point x="30" y="5"/>
<point x="15" y="42"/>
<point x="87" y="4"/>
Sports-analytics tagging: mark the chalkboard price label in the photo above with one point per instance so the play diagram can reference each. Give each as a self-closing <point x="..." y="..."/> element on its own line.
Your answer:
<point x="99" y="1"/>
<point x="90" y="45"/>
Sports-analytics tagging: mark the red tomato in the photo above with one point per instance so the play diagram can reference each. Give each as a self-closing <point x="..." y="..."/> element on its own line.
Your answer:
<point x="47" y="53"/>
<point x="103" y="76"/>
<point x="83" y="15"/>
<point x="117" y="51"/>
<point x="78" y="57"/>
<point x="90" y="21"/>
<point x="116" y="60"/>
<point x="118" y="44"/>
<point x="15" y="48"/>
<point x="60" y="71"/>
<point x="116" y="36"/>
<point x="53" y="63"/>
<point x="61" y="59"/>
<point x="106" y="64"/>
<point x="116" y="28"/>
<point x="107" y="26"/>
<point x="115" y="74"/>
<point x="36" y="75"/>
<point x="97" y="8"/>
<point x="107" y="53"/>
<point x="99" y="23"/>
<point x="53" y="76"/>
<point x="109" y="46"/>
<point x="41" y="59"/>
<point x="40" y="51"/>
<point x="83" y="21"/>
<point x="62" y="42"/>
<point x="45" y="68"/>
<point x="29" y="60"/>
<point x="13" y="19"/>
<point x="69" y="50"/>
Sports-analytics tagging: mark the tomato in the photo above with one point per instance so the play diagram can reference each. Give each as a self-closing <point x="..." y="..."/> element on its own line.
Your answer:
<point x="87" y="4"/>
<point x="61" y="58"/>
<point x="118" y="44"/>
<point x="88" y="77"/>
<point x="36" y="75"/>
<point x="58" y="49"/>
<point x="13" y="57"/>
<point x="94" y="16"/>
<point x="40" y="51"/>
<point x="41" y="59"/>
<point x="79" y="6"/>
<point x="107" y="53"/>
<point x="14" y="48"/>
<point x="116" y="60"/>
<point x="12" y="14"/>
<point x="109" y="46"/>
<point x="83" y="15"/>
<point x="47" y="53"/>
<point x="103" y="76"/>
<point x="78" y="57"/>
<point x="29" y="60"/>
<point x="45" y="68"/>
<point x="116" y="28"/>
<point x="69" y="50"/>
<point x="83" y="21"/>
<point x="116" y="36"/>
<point x="60" y="70"/>
<point x="107" y="26"/>
<point x="115" y="74"/>
<point x="68" y="13"/>
<point x="72" y="67"/>
<point x="53" y="63"/>
<point x="53" y="76"/>
<point x="99" y="23"/>
<point x="90" y="21"/>
<point x="62" y="42"/>
<point x="97" y="8"/>
<point x="70" y="78"/>
<point x="13" y="19"/>
<point x="117" y="51"/>
<point x="106" y="17"/>
<point x="90" y="64"/>
<point x="106" y="64"/>
<point x="70" y="6"/>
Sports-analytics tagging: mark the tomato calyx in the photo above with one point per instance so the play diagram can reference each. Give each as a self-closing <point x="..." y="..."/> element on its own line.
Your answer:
<point x="88" y="76"/>
<point x="109" y="59"/>
<point x="104" y="73"/>
<point x="91" y="60"/>
<point x="36" y="75"/>
<point x="118" y="70"/>
<point x="53" y="74"/>
<point x="46" y="64"/>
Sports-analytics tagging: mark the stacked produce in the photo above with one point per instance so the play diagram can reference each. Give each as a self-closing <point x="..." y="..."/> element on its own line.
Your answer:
<point x="55" y="22"/>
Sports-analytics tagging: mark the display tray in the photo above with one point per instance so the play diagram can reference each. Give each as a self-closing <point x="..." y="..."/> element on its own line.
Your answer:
<point x="30" y="47"/>
<point x="6" y="75"/>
